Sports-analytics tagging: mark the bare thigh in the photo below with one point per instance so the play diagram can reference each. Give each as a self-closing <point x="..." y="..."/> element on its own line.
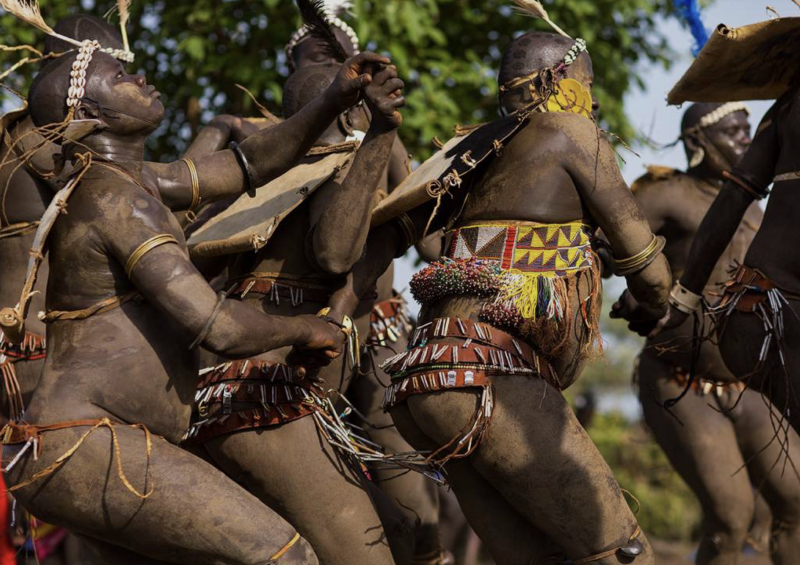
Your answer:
<point x="414" y="494"/>
<point x="542" y="462"/>
<point x="701" y="443"/>
<point x="195" y="514"/>
<point x="741" y="344"/>
<point x="297" y="473"/>
<point x="510" y="538"/>
<point x="765" y="445"/>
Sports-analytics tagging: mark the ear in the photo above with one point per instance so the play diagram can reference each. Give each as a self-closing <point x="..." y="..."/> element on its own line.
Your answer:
<point x="87" y="110"/>
<point x="692" y="143"/>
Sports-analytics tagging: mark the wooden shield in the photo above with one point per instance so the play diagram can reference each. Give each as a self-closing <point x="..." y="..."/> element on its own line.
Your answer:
<point x="249" y="222"/>
<point x="447" y="169"/>
<point x="754" y="62"/>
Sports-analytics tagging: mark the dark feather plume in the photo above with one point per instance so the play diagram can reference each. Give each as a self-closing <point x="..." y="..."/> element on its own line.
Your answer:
<point x="313" y="13"/>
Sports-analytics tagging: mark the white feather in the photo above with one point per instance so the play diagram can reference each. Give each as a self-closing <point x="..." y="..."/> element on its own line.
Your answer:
<point x="124" y="13"/>
<point x="28" y="11"/>
<point x="534" y="9"/>
<point x="338" y="8"/>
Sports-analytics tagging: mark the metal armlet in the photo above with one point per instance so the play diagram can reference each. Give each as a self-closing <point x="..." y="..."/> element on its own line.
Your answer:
<point x="247" y="169"/>
<point x="409" y="231"/>
<point x="145" y="248"/>
<point x="195" y="184"/>
<point x="636" y="263"/>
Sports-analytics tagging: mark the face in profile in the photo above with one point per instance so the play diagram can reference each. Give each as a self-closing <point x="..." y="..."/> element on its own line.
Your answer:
<point x="312" y="52"/>
<point x="731" y="137"/>
<point x="125" y="102"/>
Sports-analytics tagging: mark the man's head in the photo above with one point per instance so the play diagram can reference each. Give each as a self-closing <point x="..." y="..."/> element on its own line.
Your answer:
<point x="715" y="137"/>
<point x="124" y="104"/>
<point x="533" y="52"/>
<point x="83" y="27"/>
<point x="310" y="50"/>
<point x="307" y="83"/>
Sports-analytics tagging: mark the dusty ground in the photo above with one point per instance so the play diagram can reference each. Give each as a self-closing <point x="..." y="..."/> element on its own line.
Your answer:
<point x="671" y="553"/>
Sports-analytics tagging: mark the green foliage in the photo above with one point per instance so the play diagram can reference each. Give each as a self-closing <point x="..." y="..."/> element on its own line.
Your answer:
<point x="668" y="509"/>
<point x="446" y="50"/>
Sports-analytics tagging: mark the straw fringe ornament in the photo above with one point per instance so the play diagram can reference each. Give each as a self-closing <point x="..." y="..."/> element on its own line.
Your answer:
<point x="124" y="14"/>
<point x="534" y="9"/>
<point x="29" y="12"/>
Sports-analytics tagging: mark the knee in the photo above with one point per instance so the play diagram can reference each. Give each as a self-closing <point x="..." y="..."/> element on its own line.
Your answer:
<point x="727" y="528"/>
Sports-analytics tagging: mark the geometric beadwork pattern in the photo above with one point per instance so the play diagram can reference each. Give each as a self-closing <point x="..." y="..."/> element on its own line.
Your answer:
<point x="526" y="247"/>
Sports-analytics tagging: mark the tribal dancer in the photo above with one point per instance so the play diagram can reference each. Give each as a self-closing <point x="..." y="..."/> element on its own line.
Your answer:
<point x="389" y="324"/>
<point x="757" y="322"/>
<point x="128" y="311"/>
<point x="259" y="410"/>
<point x="510" y="316"/>
<point x="718" y="437"/>
<point x="28" y="180"/>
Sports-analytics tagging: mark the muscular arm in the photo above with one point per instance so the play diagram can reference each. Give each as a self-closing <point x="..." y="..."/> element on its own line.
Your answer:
<point x="592" y="164"/>
<point x="167" y="279"/>
<point x="731" y="204"/>
<point x="216" y="135"/>
<point x="341" y="214"/>
<point x="399" y="164"/>
<point x="272" y="151"/>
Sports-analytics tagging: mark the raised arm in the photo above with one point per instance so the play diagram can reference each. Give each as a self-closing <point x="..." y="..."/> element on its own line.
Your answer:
<point x="269" y="153"/>
<point x="162" y="272"/>
<point x="341" y="214"/>
<point x="592" y="164"/>
<point x="746" y="183"/>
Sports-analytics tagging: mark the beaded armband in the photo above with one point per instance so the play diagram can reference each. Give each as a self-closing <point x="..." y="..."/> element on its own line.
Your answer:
<point x="636" y="263"/>
<point x="247" y="169"/>
<point x="684" y="300"/>
<point x="146" y="248"/>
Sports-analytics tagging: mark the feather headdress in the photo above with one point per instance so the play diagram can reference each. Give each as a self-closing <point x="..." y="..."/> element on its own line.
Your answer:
<point x="28" y="11"/>
<point x="534" y="9"/>
<point x="124" y="14"/>
<point x="315" y="17"/>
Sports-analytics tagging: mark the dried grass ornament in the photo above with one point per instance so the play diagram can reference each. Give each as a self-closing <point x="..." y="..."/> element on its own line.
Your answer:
<point x="534" y="9"/>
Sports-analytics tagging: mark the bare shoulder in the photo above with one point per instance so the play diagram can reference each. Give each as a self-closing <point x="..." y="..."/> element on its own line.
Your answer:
<point x="118" y="206"/>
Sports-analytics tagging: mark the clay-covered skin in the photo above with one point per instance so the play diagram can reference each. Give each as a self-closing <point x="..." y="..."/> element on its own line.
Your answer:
<point x="132" y="364"/>
<point x="708" y="446"/>
<point x="772" y="252"/>
<point x="319" y="242"/>
<point x="537" y="465"/>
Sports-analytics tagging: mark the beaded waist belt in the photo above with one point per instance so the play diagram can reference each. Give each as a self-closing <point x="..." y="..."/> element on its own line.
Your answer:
<point x="704" y="387"/>
<point x="483" y="352"/>
<point x="521" y="269"/>
<point x="388" y="321"/>
<point x="272" y="393"/>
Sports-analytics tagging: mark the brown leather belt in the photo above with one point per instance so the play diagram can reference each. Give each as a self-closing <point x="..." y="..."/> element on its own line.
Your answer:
<point x="749" y="287"/>
<point x="33" y="347"/>
<point x="259" y="417"/>
<point x="276" y="290"/>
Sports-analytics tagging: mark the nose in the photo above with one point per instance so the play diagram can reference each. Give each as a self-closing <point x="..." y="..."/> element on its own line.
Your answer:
<point x="140" y="80"/>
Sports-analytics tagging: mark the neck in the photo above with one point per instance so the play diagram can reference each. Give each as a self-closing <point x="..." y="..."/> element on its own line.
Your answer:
<point x="706" y="176"/>
<point x="126" y="152"/>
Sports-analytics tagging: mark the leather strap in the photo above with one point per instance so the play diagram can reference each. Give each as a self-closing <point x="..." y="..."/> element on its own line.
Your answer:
<point x="258" y="417"/>
<point x="99" y="308"/>
<point x="278" y="290"/>
<point x="479" y="333"/>
<point x="14" y="434"/>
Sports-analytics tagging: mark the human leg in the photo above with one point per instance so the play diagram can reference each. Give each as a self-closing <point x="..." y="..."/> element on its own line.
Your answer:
<point x="294" y="470"/>
<point x="772" y="471"/>
<point x="701" y="444"/>
<point x="195" y="514"/>
<point x="414" y="494"/>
